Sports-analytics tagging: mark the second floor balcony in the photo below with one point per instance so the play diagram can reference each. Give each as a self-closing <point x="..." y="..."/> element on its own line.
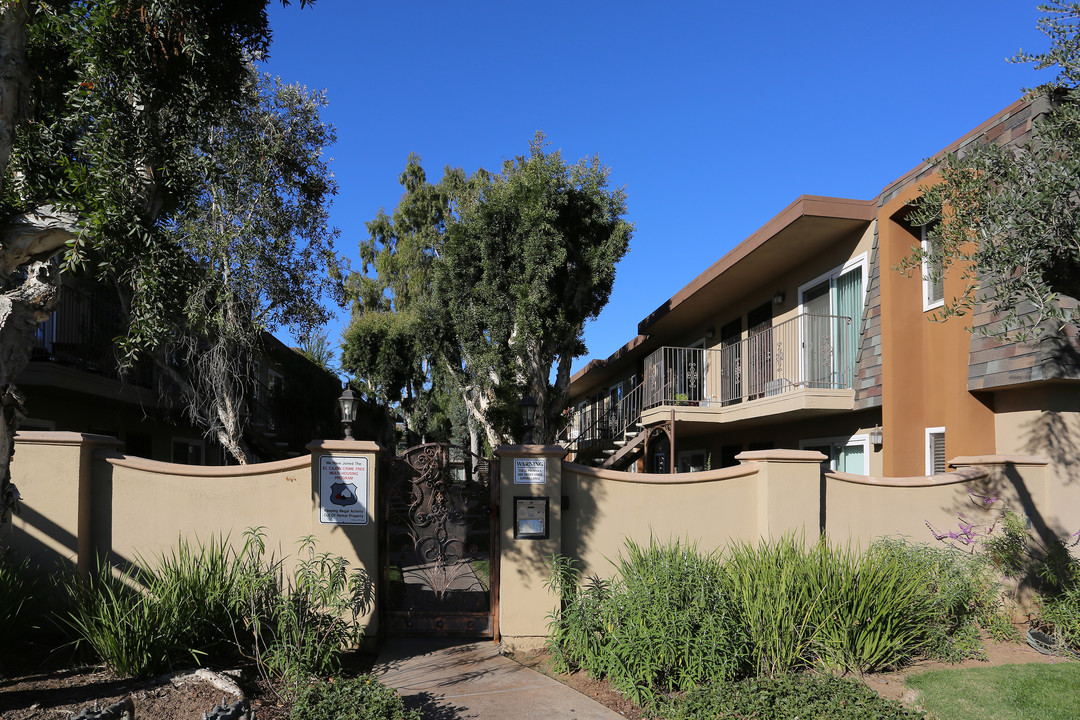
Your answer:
<point x="805" y="363"/>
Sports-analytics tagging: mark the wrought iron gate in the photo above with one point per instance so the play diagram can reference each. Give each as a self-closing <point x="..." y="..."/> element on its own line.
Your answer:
<point x="438" y="563"/>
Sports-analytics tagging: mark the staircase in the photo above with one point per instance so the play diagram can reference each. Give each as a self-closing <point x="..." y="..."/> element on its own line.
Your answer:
<point x="614" y="438"/>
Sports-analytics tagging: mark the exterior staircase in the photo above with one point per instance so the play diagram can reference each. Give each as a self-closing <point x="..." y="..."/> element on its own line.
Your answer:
<point x="614" y="437"/>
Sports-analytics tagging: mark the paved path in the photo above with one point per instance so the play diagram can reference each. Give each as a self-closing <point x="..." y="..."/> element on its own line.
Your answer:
<point x="474" y="682"/>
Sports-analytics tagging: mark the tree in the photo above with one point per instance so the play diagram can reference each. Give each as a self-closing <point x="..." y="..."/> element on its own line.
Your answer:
<point x="259" y="243"/>
<point x="1010" y="215"/>
<point x="103" y="109"/>
<point x="488" y="279"/>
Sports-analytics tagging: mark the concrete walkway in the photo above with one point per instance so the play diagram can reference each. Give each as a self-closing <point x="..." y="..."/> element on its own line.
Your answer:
<point x="473" y="681"/>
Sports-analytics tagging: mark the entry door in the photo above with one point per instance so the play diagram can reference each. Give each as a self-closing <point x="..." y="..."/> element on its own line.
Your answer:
<point x="438" y="564"/>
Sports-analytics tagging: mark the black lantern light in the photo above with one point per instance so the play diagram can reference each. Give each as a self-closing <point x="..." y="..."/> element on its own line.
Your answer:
<point x="348" y="402"/>
<point x="528" y="416"/>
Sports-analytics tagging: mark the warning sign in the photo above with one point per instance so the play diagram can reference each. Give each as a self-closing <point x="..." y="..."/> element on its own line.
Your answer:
<point x="343" y="490"/>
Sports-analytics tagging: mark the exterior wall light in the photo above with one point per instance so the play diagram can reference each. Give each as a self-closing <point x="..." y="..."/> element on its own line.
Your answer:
<point x="348" y="402"/>
<point x="778" y="298"/>
<point x="528" y="416"/>
<point x="876" y="436"/>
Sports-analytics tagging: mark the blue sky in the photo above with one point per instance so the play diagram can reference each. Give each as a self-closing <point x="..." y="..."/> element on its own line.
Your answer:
<point x="713" y="115"/>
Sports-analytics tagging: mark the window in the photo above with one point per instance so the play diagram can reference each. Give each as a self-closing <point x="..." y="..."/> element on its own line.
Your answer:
<point x="832" y="307"/>
<point x="848" y="455"/>
<point x="933" y="270"/>
<point x="935" y="451"/>
<point x="691" y="460"/>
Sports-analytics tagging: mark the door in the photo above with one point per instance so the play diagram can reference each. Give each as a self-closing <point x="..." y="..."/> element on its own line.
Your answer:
<point x="759" y="349"/>
<point x="437" y="553"/>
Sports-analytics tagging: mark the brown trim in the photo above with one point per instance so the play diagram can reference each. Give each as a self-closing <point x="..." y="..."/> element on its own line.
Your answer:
<point x="728" y="473"/>
<point x="163" y="468"/>
<point x="804" y="205"/>
<point x="950" y="478"/>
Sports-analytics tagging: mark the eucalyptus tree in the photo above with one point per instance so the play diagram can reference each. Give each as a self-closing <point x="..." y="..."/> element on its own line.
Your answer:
<point x="1010" y="215"/>
<point x="488" y="279"/>
<point x="103" y="108"/>
<point x="261" y="250"/>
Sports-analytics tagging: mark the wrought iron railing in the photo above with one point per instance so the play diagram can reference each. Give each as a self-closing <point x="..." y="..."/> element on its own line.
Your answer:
<point x="603" y="421"/>
<point x="82" y="333"/>
<point x="808" y="351"/>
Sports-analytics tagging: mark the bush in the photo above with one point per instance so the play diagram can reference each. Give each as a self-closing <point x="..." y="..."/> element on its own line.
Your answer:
<point x="874" y="610"/>
<point x="20" y="599"/>
<point x="797" y="695"/>
<point x="214" y="600"/>
<point x="664" y="624"/>
<point x="361" y="698"/>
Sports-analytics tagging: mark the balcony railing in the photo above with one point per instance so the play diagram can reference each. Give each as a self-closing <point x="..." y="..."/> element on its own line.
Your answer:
<point x="808" y="351"/>
<point x="604" y="420"/>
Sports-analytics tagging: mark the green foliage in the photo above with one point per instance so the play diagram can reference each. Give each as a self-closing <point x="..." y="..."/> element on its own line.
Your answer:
<point x="1009" y="214"/>
<point x="964" y="595"/>
<point x="670" y="624"/>
<point x="791" y="696"/>
<point x="21" y="595"/>
<point x="207" y="602"/>
<point x="874" y="609"/>
<point x="1060" y="612"/>
<point x="360" y="698"/>
<point x="673" y="619"/>
<point x="1012" y="692"/>
<point x="487" y="280"/>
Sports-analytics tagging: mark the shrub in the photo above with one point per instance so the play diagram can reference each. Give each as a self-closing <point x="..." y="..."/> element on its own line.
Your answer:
<point x="670" y="621"/>
<point x="360" y="698"/>
<point x="577" y="636"/>
<point x="20" y="596"/>
<point x="795" y="695"/>
<point x="874" y="609"/>
<point x="777" y="602"/>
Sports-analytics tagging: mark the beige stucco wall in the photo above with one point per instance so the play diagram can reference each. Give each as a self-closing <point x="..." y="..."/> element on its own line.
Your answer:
<point x="132" y="510"/>
<point x="607" y="507"/>
<point x="1045" y="420"/>
<point x="524" y="603"/>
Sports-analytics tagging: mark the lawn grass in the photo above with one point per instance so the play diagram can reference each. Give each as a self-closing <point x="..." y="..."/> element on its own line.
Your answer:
<point x="1006" y="692"/>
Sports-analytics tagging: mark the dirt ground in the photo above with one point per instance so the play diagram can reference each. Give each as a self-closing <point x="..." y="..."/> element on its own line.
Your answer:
<point x="32" y="691"/>
<point x="890" y="685"/>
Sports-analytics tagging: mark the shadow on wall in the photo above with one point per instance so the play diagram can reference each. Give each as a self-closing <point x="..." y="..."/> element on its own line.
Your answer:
<point x="1050" y="435"/>
<point x="581" y="500"/>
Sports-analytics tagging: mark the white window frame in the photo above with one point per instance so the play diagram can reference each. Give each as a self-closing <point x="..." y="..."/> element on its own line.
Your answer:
<point x="927" y="284"/>
<point x="930" y="431"/>
<point x="859" y="261"/>
<point x="862" y="439"/>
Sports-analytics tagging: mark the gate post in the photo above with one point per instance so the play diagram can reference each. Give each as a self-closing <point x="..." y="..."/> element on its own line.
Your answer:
<point x="530" y="531"/>
<point x="344" y="528"/>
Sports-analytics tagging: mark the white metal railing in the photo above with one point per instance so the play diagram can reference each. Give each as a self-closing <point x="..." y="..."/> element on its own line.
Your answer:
<point x="807" y="351"/>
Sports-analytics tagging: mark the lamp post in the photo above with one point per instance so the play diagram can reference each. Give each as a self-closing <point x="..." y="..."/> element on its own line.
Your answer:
<point x="528" y="415"/>
<point x="348" y="402"/>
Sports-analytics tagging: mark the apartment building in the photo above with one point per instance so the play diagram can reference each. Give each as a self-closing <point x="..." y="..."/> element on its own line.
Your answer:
<point x="804" y="336"/>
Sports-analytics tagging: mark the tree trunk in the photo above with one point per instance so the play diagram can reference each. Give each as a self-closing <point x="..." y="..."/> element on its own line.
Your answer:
<point x="21" y="309"/>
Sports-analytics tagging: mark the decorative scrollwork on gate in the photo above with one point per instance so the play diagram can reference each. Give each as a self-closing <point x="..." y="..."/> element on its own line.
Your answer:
<point x="438" y="525"/>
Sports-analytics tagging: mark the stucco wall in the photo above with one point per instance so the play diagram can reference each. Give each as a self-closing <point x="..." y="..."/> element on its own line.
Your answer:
<point x="82" y="500"/>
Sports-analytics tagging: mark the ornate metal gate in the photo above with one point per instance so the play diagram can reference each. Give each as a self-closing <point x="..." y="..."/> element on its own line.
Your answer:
<point x="438" y="564"/>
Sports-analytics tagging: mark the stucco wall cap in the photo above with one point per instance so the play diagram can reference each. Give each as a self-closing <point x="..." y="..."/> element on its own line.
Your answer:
<point x="216" y="471"/>
<point x="728" y="473"/>
<point x="526" y="450"/>
<point x="966" y="460"/>
<point x="949" y="478"/>
<point x="53" y="437"/>
<point x="781" y="456"/>
<point x="343" y="446"/>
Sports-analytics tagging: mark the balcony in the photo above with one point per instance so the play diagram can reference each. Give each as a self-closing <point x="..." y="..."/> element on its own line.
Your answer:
<point x="805" y="365"/>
